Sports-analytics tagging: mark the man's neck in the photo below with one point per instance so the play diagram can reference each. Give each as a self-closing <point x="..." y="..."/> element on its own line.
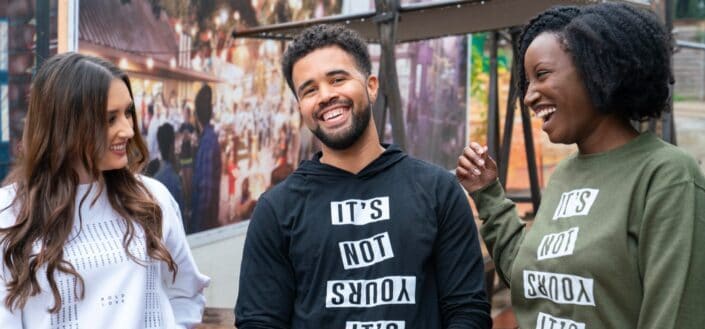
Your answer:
<point x="356" y="157"/>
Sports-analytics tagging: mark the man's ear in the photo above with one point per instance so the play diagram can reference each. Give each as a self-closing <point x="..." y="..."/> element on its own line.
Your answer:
<point x="372" y="87"/>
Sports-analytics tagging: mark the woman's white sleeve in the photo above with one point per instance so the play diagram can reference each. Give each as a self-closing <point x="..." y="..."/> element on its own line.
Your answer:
<point x="186" y="291"/>
<point x="10" y="319"/>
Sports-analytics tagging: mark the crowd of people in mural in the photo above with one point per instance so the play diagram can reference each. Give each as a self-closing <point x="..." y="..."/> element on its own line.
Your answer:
<point x="216" y="158"/>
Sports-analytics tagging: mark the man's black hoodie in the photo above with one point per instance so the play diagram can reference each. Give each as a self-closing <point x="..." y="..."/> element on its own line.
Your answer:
<point x="393" y="246"/>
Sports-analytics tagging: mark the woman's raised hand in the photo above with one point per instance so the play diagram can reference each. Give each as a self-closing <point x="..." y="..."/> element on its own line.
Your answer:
<point x="476" y="169"/>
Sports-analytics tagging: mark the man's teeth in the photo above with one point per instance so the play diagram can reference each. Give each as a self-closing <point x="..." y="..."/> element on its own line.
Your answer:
<point x="542" y="113"/>
<point x="332" y="114"/>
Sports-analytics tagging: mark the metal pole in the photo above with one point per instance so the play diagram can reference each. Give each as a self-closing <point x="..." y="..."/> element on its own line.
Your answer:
<point x="511" y="108"/>
<point x="493" y="101"/>
<point x="379" y="109"/>
<point x="690" y="45"/>
<point x="531" y="159"/>
<point x="387" y="18"/>
<point x="42" y="14"/>
<point x="668" y="127"/>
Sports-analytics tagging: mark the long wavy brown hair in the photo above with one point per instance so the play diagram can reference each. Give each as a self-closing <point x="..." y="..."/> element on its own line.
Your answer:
<point x="65" y="130"/>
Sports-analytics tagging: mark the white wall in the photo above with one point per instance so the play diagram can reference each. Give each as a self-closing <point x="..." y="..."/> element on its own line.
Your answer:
<point x="218" y="253"/>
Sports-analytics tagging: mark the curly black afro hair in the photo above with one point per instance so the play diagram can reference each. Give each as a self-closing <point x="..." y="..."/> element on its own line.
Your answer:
<point x="321" y="36"/>
<point x="623" y="54"/>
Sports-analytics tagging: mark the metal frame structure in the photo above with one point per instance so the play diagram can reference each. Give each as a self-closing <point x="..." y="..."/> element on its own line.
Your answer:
<point x="393" y="23"/>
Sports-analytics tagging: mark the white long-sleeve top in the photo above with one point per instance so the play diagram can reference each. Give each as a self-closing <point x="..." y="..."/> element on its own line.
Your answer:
<point x="119" y="293"/>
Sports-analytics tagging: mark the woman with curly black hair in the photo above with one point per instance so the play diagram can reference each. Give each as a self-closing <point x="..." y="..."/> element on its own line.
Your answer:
<point x="615" y="242"/>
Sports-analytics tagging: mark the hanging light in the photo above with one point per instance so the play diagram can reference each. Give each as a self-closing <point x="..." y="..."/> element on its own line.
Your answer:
<point x="150" y="63"/>
<point x="224" y="16"/>
<point x="123" y="63"/>
<point x="196" y="63"/>
<point x="295" y="4"/>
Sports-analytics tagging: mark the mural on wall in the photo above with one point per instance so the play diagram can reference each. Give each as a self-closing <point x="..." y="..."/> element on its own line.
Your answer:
<point x="18" y="44"/>
<point x="220" y="123"/>
<point x="432" y="76"/>
<point x="218" y="119"/>
<point x="4" y="100"/>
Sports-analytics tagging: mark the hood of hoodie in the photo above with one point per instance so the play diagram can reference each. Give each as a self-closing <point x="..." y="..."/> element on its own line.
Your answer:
<point x="314" y="167"/>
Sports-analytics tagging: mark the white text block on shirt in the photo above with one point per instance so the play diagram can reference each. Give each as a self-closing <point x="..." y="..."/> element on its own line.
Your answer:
<point x="388" y="290"/>
<point x="366" y="252"/>
<point x="559" y="288"/>
<point x="359" y="212"/>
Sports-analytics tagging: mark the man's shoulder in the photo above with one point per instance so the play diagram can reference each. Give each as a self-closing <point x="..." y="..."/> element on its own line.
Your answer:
<point x="281" y="191"/>
<point x="286" y="194"/>
<point x="427" y="168"/>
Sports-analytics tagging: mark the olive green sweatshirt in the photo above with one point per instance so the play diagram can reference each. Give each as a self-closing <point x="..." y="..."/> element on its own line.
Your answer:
<point x="618" y="242"/>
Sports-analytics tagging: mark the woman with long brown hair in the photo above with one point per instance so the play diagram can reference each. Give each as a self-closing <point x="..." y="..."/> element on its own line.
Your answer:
<point x="86" y="241"/>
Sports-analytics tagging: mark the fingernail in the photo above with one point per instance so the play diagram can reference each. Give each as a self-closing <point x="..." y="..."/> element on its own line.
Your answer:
<point x="477" y="172"/>
<point x="481" y="162"/>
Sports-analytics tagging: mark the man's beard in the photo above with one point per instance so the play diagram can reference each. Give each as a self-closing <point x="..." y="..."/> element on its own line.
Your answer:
<point x="345" y="139"/>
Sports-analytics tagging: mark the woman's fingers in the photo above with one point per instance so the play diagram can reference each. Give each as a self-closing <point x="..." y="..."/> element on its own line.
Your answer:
<point x="489" y="161"/>
<point x="474" y="154"/>
<point x="475" y="159"/>
<point x="461" y="173"/>
<point x="475" y="167"/>
<point x="466" y="163"/>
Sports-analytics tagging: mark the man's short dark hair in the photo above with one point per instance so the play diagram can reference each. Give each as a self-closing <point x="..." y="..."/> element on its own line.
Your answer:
<point x="623" y="55"/>
<point x="321" y="36"/>
<point x="204" y="104"/>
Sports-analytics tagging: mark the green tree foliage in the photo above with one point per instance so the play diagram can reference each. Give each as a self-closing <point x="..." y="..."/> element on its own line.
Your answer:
<point x="689" y="9"/>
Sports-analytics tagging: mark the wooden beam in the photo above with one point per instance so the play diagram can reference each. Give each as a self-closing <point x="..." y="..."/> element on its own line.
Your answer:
<point x="427" y="20"/>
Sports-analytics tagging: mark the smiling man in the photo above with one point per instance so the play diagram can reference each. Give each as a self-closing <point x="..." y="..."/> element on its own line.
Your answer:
<point x="362" y="236"/>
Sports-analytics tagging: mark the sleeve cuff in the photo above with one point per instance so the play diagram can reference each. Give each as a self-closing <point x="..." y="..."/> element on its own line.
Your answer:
<point x="487" y="198"/>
